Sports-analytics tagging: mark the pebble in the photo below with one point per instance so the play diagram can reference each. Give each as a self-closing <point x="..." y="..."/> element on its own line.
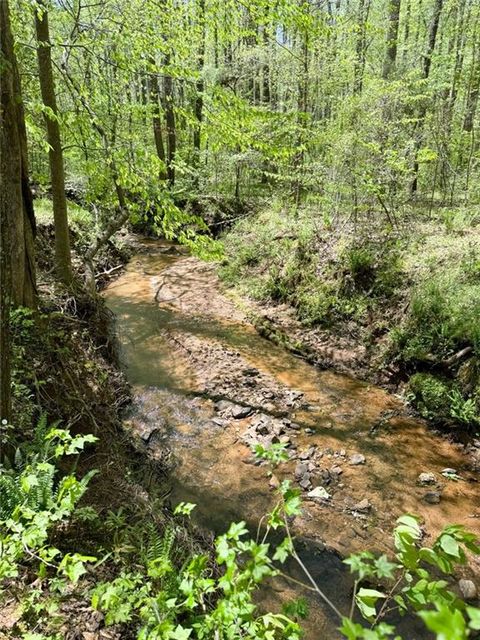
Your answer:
<point x="301" y="469"/>
<point x="222" y="405"/>
<point x="239" y="412"/>
<point x="305" y="482"/>
<point x="363" y="506"/>
<point x="253" y="460"/>
<point x="319" y="492"/>
<point x="325" y="474"/>
<point x="274" y="482"/>
<point x="468" y="589"/>
<point x="426" y="478"/>
<point x="336" y="471"/>
<point x="357" y="458"/>
<point x="251" y="372"/>
<point x="448" y="471"/>
<point x="278" y="428"/>
<point x="432" y="497"/>
<point x="262" y="428"/>
<point x="308" y="453"/>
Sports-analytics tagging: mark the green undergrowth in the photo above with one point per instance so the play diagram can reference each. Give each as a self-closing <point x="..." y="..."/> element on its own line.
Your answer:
<point x="410" y="295"/>
<point x="78" y="216"/>
<point x="62" y="561"/>
<point x="62" y="364"/>
<point x="279" y="257"/>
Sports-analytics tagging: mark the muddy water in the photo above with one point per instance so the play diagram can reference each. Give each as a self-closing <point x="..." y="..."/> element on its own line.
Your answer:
<point x="189" y="351"/>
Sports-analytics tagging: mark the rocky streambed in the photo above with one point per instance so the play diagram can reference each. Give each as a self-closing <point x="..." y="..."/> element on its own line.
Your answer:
<point x="207" y="388"/>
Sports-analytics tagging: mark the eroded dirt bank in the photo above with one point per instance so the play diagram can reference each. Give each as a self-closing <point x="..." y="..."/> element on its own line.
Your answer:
<point x="206" y="386"/>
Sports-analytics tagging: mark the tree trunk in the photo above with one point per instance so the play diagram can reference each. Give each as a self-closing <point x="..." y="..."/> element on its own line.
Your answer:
<point x="63" y="260"/>
<point x="432" y="37"/>
<point x="200" y="86"/>
<point x="157" y="125"/>
<point x="361" y="46"/>
<point x="406" y="33"/>
<point x="17" y="221"/>
<point x="170" y="122"/>
<point x="427" y="63"/>
<point x="473" y="92"/>
<point x="392" y="39"/>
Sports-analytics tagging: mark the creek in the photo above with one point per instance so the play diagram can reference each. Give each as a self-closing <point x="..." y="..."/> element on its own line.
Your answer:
<point x="205" y="384"/>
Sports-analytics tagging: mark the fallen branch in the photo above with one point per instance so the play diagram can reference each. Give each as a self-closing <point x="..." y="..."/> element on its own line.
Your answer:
<point x="108" y="271"/>
<point x="457" y="356"/>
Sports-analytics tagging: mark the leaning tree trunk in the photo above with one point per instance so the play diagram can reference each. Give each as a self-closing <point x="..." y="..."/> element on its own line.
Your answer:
<point x="17" y="221"/>
<point x="63" y="260"/>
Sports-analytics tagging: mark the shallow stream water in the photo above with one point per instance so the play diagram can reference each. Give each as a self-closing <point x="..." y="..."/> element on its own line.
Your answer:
<point x="189" y="353"/>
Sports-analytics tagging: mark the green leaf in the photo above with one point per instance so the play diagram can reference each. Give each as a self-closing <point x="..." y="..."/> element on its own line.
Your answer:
<point x="448" y="624"/>
<point x="351" y="630"/>
<point x="180" y="633"/>
<point x="283" y="551"/>
<point x="474" y="616"/>
<point x="450" y="545"/>
<point x="366" y="600"/>
<point x="184" y="508"/>
<point x="236" y="530"/>
<point x="385" y="568"/>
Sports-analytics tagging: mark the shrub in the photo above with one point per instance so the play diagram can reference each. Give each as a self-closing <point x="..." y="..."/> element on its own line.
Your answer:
<point x="372" y="267"/>
<point x="430" y="396"/>
<point x="441" y="400"/>
<point x="444" y="316"/>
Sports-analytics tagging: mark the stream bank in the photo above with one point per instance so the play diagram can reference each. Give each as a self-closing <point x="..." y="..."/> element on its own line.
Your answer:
<point x="206" y="387"/>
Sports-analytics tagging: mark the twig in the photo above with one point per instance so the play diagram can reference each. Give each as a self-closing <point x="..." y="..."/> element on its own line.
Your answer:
<point x="108" y="271"/>
<point x="316" y="588"/>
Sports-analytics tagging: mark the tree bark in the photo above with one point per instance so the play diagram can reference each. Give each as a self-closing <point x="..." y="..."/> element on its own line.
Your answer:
<point x="361" y="46"/>
<point x="392" y="39"/>
<point x="63" y="259"/>
<point x="17" y="221"/>
<point x="200" y="87"/>
<point x="432" y="37"/>
<point x="157" y="125"/>
<point x="427" y="63"/>
<point x="168" y="106"/>
<point x="473" y="92"/>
